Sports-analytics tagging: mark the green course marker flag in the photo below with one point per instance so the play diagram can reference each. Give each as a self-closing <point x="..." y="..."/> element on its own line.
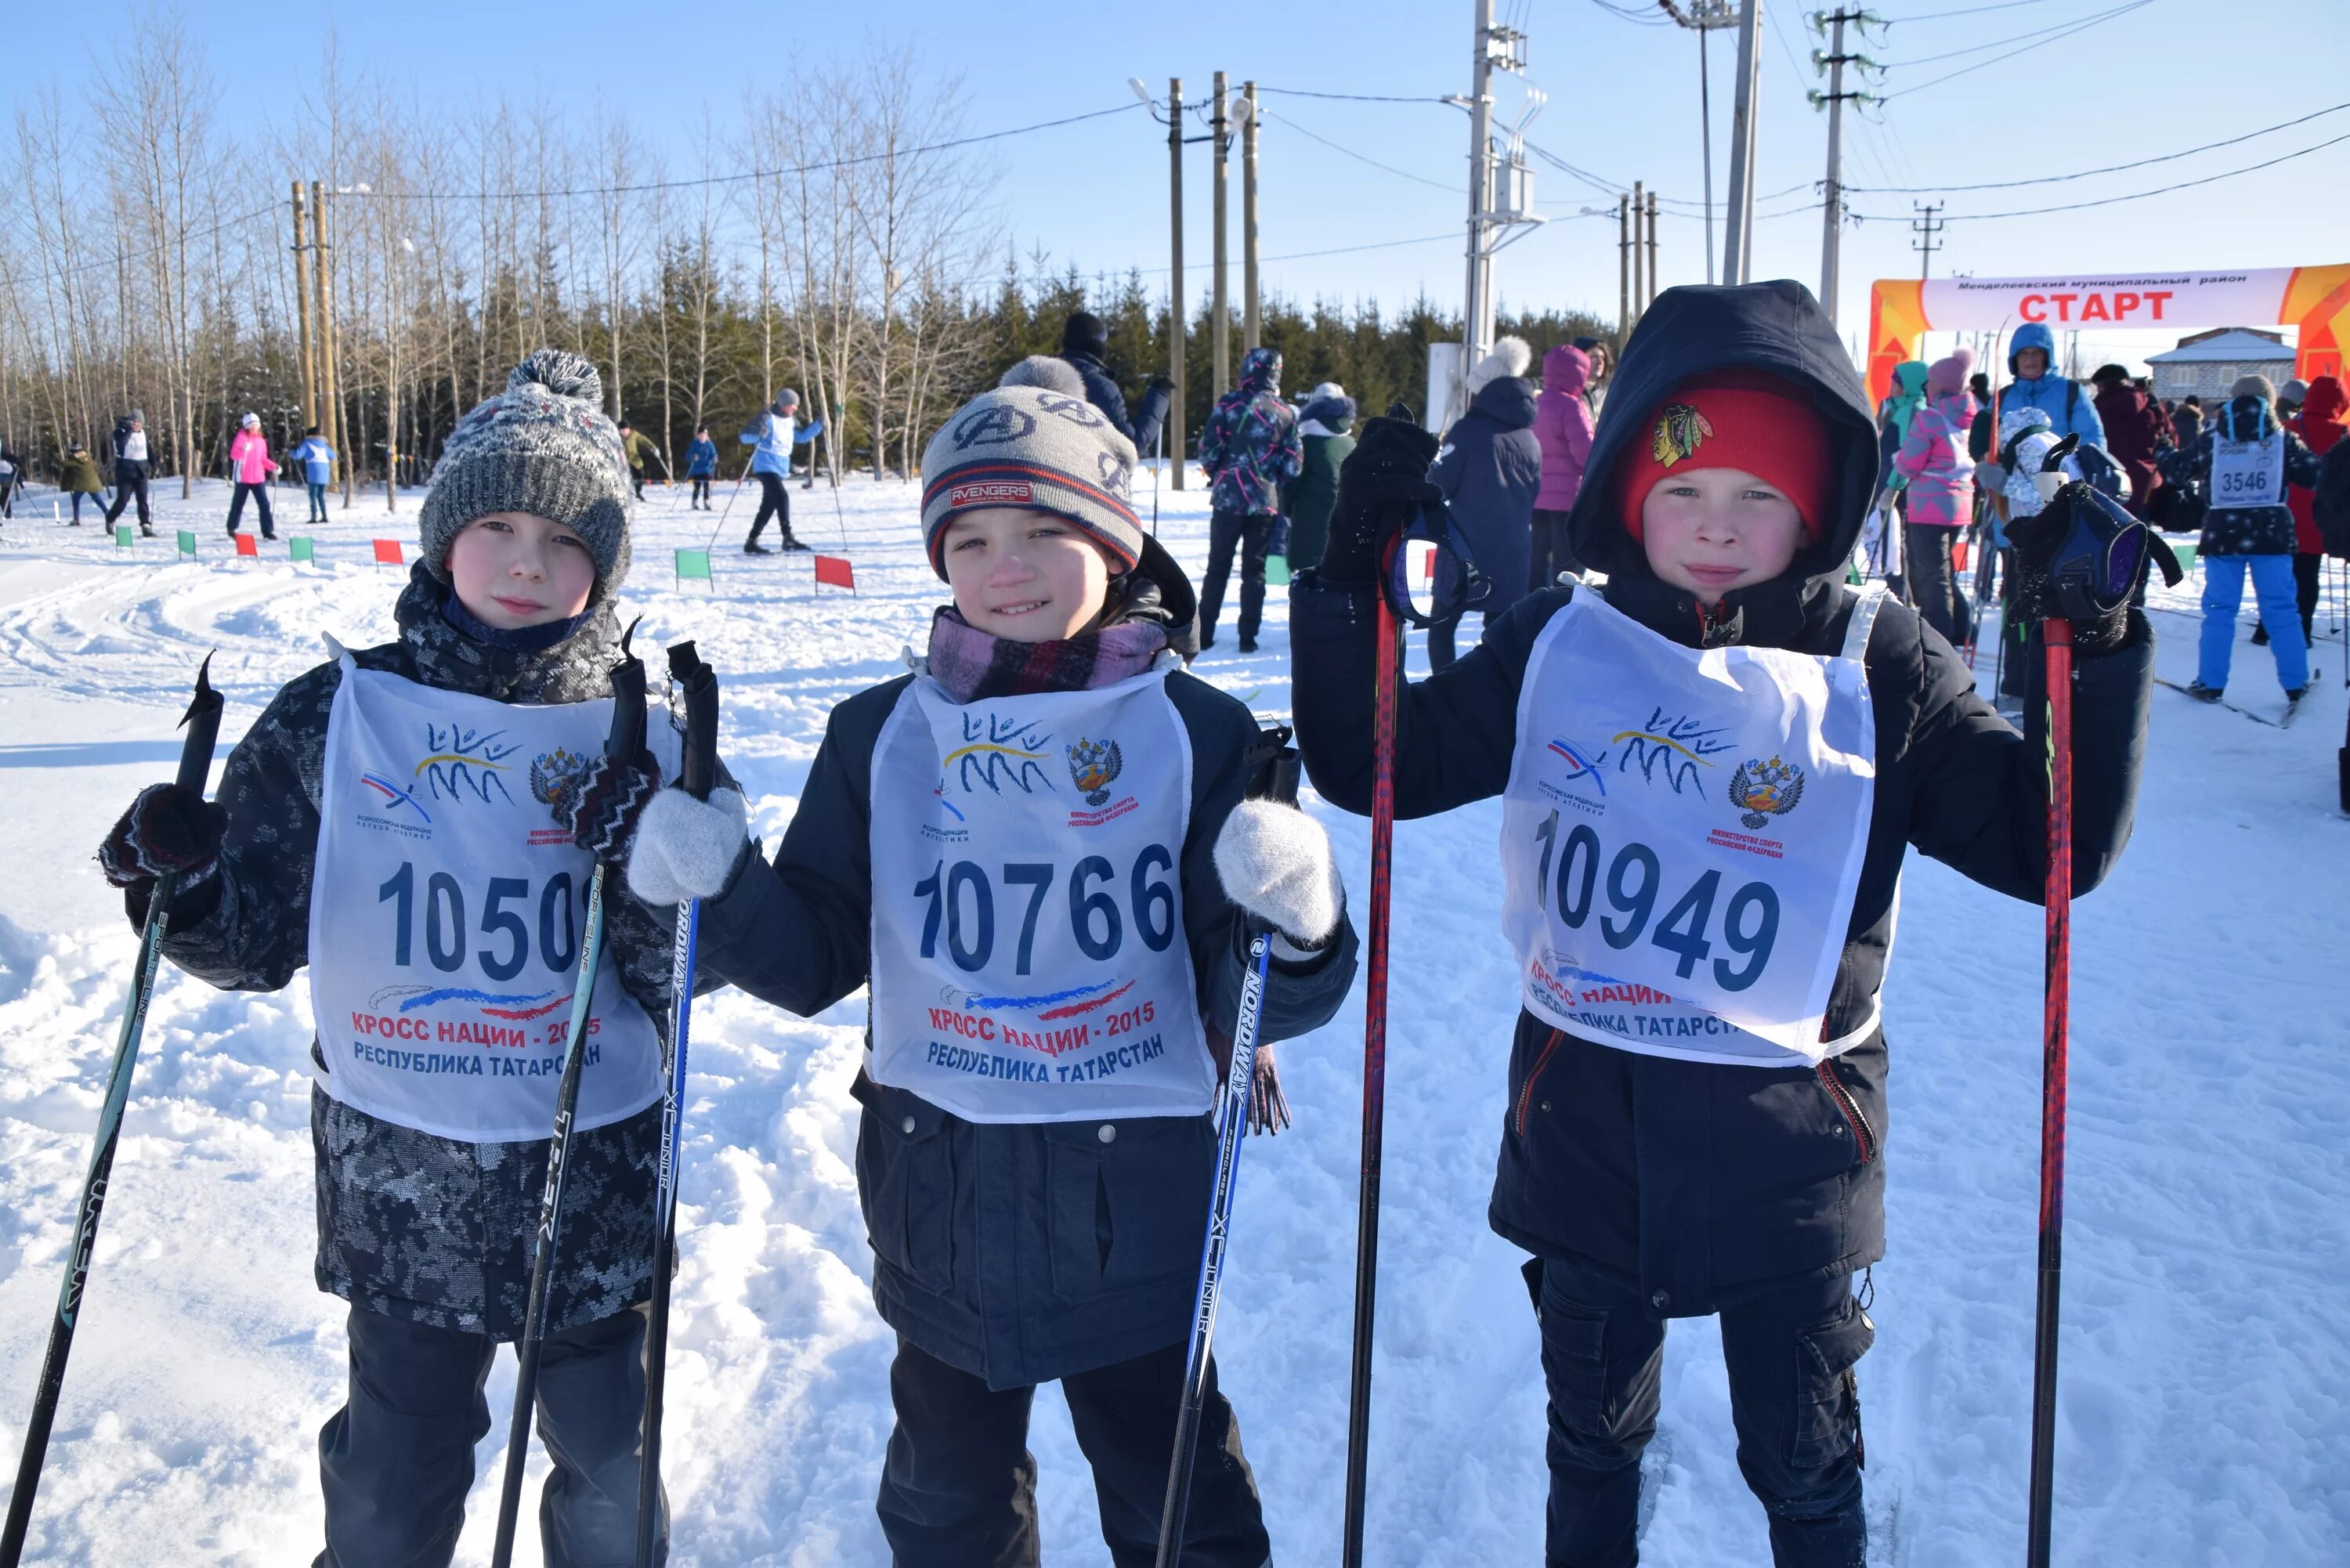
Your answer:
<point x="187" y="544"/>
<point x="694" y="564"/>
<point x="122" y="534"/>
<point x="300" y="548"/>
<point x="1276" y="571"/>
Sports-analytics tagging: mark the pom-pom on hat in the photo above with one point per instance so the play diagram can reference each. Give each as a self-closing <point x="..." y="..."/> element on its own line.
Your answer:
<point x="1740" y="419"/>
<point x="1945" y="376"/>
<point x="1034" y="442"/>
<point x="541" y="446"/>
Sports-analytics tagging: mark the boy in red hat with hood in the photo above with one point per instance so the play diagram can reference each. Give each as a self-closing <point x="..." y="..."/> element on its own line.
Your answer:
<point x="1710" y="771"/>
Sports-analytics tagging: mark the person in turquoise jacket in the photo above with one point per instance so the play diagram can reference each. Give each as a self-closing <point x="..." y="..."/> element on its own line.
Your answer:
<point x="772" y="431"/>
<point x="701" y="463"/>
<point x="317" y="460"/>
<point x="2031" y="356"/>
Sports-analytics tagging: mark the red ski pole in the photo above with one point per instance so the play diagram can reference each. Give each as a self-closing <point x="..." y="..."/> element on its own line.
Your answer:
<point x="2055" y="1030"/>
<point x="1375" y="1059"/>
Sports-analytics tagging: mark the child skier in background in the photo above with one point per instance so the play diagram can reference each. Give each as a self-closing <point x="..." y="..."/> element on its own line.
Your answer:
<point x="1710" y="772"/>
<point x="443" y="777"/>
<point x="1932" y="469"/>
<point x="773" y="432"/>
<point x="701" y="463"/>
<point x="1035" y="851"/>
<point x="317" y="460"/>
<point x="77" y="477"/>
<point x="251" y="466"/>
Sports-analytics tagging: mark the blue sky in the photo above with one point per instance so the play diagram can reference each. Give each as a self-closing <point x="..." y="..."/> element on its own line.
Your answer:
<point x="1622" y="104"/>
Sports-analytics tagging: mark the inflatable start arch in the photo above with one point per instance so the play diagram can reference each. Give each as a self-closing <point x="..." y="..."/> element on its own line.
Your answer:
<point x="2313" y="299"/>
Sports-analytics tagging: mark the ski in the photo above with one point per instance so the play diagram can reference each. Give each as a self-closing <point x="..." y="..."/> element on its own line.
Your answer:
<point x="2283" y="723"/>
<point x="202" y="722"/>
<point x="626" y="740"/>
<point x="695" y="686"/>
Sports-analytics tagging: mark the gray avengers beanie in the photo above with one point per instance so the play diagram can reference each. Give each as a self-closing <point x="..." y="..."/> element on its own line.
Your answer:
<point x="1034" y="441"/>
<point x="541" y="446"/>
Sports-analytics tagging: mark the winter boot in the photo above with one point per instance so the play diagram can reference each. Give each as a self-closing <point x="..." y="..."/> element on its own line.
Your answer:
<point x="2202" y="694"/>
<point x="794" y="541"/>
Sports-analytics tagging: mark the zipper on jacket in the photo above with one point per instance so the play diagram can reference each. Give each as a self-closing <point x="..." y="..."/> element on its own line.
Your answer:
<point x="1849" y="1108"/>
<point x="1526" y="1094"/>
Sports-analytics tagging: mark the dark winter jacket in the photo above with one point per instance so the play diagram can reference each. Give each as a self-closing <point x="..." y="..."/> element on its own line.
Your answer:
<point x="1102" y="392"/>
<point x="702" y="458"/>
<point x="2186" y="427"/>
<point x="2134" y="429"/>
<point x="1250" y="445"/>
<point x="1019" y="1253"/>
<point x="425" y="1229"/>
<point x="1307" y="500"/>
<point x="78" y="474"/>
<point x="2246" y="530"/>
<point x="2330" y="507"/>
<point x="1489" y="469"/>
<point x="130" y="467"/>
<point x="1696" y="1183"/>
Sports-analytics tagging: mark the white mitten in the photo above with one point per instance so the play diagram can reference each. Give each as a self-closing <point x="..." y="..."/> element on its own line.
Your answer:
<point x="684" y="849"/>
<point x="1274" y="862"/>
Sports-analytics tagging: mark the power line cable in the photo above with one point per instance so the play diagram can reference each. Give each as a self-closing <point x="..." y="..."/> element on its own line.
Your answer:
<point x="2081" y="26"/>
<point x="1359" y="158"/>
<point x="1349" y="96"/>
<point x="1646" y="17"/>
<point x="2132" y="196"/>
<point x="2086" y="174"/>
<point x="2017" y="39"/>
<point x="1967" y="11"/>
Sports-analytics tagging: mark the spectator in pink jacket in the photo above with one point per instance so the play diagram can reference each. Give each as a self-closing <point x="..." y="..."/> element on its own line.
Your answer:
<point x="1934" y="468"/>
<point x="1563" y="426"/>
<point x="249" y="464"/>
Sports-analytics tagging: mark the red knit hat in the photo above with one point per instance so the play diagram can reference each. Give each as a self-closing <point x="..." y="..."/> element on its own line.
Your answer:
<point x="1742" y="418"/>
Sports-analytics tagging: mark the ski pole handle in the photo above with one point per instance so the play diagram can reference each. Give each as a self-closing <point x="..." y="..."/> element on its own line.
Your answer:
<point x="699" y="684"/>
<point x="202" y="722"/>
<point x="628" y="734"/>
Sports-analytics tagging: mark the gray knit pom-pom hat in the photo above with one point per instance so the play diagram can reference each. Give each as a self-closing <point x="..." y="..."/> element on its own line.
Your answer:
<point x="541" y="446"/>
<point x="1033" y="441"/>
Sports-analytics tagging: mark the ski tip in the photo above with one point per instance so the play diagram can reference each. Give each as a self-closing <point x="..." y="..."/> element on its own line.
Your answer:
<point x="204" y="694"/>
<point x="629" y="637"/>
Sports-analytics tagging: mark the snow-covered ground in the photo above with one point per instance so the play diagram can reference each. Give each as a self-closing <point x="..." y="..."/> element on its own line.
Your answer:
<point x="2206" y="1338"/>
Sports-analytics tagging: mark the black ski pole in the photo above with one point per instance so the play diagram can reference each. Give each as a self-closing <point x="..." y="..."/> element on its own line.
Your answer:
<point x="202" y="722"/>
<point x="1239" y="1077"/>
<point x="626" y="740"/>
<point x="1157" y="460"/>
<point x="697" y="683"/>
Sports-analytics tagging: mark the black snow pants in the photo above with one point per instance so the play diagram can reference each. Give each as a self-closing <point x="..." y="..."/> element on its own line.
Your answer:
<point x="958" y="1488"/>
<point x="773" y="503"/>
<point x="260" y="494"/>
<point x="397" y="1459"/>
<point x="1250" y="535"/>
<point x="1552" y="551"/>
<point x="129" y="480"/>
<point x="1793" y="1396"/>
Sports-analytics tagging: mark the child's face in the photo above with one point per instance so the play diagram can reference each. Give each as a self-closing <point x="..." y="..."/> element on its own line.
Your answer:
<point x="514" y="569"/>
<point x="1024" y="576"/>
<point x="1714" y="529"/>
<point x="2031" y="363"/>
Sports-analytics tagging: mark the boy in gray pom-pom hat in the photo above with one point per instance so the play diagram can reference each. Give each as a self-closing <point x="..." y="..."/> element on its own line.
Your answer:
<point x="409" y="823"/>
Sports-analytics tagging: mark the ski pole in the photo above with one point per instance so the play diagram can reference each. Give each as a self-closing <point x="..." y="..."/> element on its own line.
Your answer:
<point x="2055" y="1030"/>
<point x="839" y="414"/>
<point x="202" y="722"/>
<point x="626" y="740"/>
<point x="740" y="480"/>
<point x="1383" y="683"/>
<point x="699" y="685"/>
<point x="1240" y="1078"/>
<point x="1158" y="457"/>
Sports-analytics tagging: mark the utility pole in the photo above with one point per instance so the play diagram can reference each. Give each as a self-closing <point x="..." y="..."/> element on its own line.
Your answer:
<point x="1251" y="320"/>
<point x="1738" y="226"/>
<point x="1220" y="333"/>
<point x="1624" y="265"/>
<point x="1928" y="228"/>
<point x="1833" y="101"/>
<point x="1493" y="206"/>
<point x="329" y="395"/>
<point x="1177" y="325"/>
<point x="1653" y="255"/>
<point x="1639" y="252"/>
<point x="302" y="313"/>
<point x="1702" y="17"/>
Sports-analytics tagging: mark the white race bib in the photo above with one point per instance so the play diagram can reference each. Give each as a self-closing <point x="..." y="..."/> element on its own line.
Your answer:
<point x="2248" y="472"/>
<point x="1682" y="836"/>
<point x="1029" y="960"/>
<point x="446" y="915"/>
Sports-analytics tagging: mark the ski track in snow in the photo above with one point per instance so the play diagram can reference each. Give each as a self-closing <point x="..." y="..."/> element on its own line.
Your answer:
<point x="2206" y="1348"/>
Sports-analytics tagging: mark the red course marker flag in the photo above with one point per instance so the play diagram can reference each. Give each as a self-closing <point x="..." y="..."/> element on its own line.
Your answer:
<point x="387" y="553"/>
<point x="246" y="545"/>
<point x="836" y="571"/>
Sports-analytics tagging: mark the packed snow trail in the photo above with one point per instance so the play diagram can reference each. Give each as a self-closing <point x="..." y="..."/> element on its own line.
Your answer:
<point x="2206" y="1306"/>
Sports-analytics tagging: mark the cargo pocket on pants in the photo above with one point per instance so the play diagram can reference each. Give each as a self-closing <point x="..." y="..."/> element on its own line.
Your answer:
<point x="1827" y="1392"/>
<point x="1573" y="1358"/>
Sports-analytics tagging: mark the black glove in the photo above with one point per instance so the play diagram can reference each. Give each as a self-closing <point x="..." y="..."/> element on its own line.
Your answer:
<point x="1383" y="482"/>
<point x="167" y="828"/>
<point x="602" y="809"/>
<point x="1162" y="382"/>
<point x="2081" y="558"/>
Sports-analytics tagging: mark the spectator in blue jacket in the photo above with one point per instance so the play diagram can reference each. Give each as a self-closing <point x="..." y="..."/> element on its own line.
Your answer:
<point x="1490" y="470"/>
<point x="2071" y="411"/>
<point x="1085" y="344"/>
<point x="774" y="431"/>
<point x="1249" y="448"/>
<point x="317" y="460"/>
<point x="701" y="463"/>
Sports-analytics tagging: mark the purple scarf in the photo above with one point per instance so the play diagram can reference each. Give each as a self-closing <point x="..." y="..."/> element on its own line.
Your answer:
<point x="971" y="664"/>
